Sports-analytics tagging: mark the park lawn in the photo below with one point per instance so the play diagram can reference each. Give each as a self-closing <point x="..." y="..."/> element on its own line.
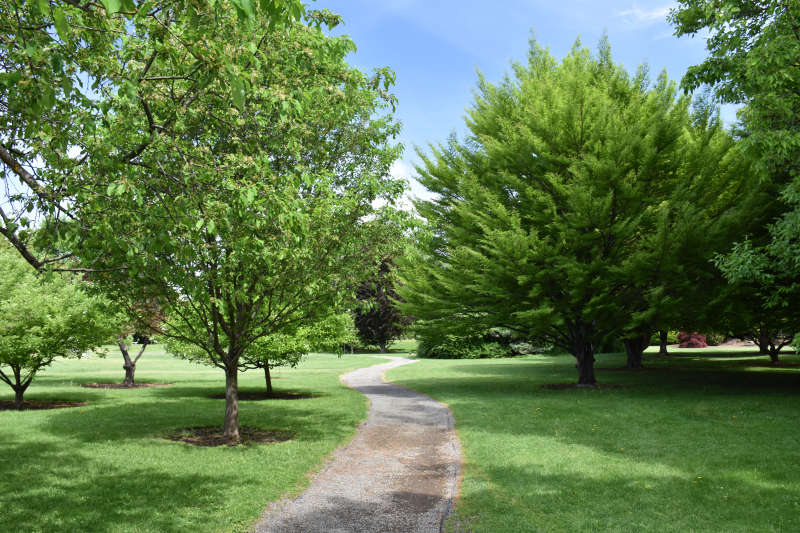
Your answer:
<point x="105" y="467"/>
<point x="692" y="443"/>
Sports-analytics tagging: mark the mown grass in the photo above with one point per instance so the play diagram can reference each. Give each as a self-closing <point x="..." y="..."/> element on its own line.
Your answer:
<point x="105" y="467"/>
<point x="692" y="443"/>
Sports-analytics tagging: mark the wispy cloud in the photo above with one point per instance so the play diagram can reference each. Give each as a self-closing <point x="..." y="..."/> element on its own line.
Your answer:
<point x="637" y="17"/>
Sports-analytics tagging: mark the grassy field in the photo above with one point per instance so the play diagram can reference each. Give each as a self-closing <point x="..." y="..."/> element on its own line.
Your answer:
<point x="692" y="443"/>
<point x="105" y="467"/>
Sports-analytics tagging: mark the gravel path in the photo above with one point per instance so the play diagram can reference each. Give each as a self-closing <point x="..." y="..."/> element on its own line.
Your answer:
<point x="399" y="473"/>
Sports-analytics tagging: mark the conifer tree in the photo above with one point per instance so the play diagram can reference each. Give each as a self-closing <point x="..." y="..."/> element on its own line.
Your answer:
<point x="556" y="216"/>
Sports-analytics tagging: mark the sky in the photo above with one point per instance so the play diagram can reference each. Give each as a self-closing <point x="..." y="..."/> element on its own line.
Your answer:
<point x="436" y="48"/>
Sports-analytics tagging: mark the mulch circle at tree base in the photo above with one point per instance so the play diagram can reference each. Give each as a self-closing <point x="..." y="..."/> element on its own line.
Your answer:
<point x="122" y="385"/>
<point x="212" y="436"/>
<point x="258" y="396"/>
<point x="35" y="405"/>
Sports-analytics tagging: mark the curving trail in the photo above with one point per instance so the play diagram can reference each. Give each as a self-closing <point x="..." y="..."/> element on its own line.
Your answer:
<point x="399" y="473"/>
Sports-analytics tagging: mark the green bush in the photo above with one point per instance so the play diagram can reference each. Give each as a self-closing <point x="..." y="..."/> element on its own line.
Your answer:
<point x="452" y="347"/>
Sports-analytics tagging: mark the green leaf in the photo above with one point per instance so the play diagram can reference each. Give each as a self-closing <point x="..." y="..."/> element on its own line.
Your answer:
<point x="237" y="91"/>
<point x="211" y="226"/>
<point x="44" y="6"/>
<point x="62" y="28"/>
<point x="112" y="6"/>
<point x="199" y="224"/>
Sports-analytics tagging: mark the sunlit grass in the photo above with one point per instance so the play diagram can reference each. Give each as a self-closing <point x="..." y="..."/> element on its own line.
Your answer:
<point x="692" y="443"/>
<point x="105" y="467"/>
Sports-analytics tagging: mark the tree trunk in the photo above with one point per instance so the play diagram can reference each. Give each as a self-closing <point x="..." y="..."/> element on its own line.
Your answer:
<point x="773" y="354"/>
<point x="18" y="393"/>
<point x="382" y="345"/>
<point x="583" y="350"/>
<point x="129" y="366"/>
<point x="763" y="341"/>
<point x="268" y="378"/>
<point x="634" y="348"/>
<point x="231" y="428"/>
<point x="662" y="350"/>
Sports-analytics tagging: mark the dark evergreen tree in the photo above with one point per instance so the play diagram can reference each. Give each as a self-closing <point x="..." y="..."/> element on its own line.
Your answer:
<point x="378" y="320"/>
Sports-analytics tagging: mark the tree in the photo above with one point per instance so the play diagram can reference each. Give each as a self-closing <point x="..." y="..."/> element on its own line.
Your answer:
<point x="249" y="209"/>
<point x="555" y="217"/>
<point x="288" y="349"/>
<point x="136" y="326"/>
<point x="67" y="67"/>
<point x="753" y="49"/>
<point x="377" y="318"/>
<point x="43" y="318"/>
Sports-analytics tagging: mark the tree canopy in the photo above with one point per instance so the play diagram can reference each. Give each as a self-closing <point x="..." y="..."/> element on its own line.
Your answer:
<point x="69" y="69"/>
<point x="43" y="318"/>
<point x="753" y="49"/>
<point x="566" y="212"/>
<point x="254" y="214"/>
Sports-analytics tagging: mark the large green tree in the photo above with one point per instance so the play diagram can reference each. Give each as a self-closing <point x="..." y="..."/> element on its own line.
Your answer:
<point x="252" y="211"/>
<point x="565" y="212"/>
<point x="753" y="60"/>
<point x="67" y="68"/>
<point x="43" y="318"/>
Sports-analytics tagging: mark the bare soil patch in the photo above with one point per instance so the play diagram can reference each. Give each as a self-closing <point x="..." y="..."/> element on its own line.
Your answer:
<point x="258" y="396"/>
<point x="212" y="436"/>
<point x="122" y="386"/>
<point x="35" y="405"/>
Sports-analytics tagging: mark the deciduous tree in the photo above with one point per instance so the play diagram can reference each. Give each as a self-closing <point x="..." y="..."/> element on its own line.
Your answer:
<point x="68" y="68"/>
<point x="249" y="209"/>
<point x="753" y="50"/>
<point x="43" y="318"/>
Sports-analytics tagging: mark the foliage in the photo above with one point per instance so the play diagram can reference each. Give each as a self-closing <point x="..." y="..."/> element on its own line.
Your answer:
<point x="753" y="49"/>
<point x="69" y="68"/>
<point x="377" y="317"/>
<point x="287" y="349"/>
<point x="243" y="205"/>
<point x="43" y="318"/>
<point x="692" y="340"/>
<point x="574" y="211"/>
<point x="450" y="346"/>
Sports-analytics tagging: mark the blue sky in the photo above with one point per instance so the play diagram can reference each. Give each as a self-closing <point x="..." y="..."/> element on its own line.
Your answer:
<point x="436" y="47"/>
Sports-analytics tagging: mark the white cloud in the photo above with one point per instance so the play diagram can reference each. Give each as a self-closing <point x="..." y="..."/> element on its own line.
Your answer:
<point x="637" y="17"/>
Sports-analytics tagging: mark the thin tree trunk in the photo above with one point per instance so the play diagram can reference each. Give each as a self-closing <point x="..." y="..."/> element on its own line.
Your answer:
<point x="268" y="378"/>
<point x="231" y="428"/>
<point x="128" y="365"/>
<point x="383" y="347"/>
<point x="763" y="341"/>
<point x="662" y="350"/>
<point x="18" y="393"/>
<point x="584" y="353"/>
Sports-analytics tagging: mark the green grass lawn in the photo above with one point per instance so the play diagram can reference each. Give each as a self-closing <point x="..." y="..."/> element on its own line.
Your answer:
<point x="105" y="467"/>
<point x="692" y="443"/>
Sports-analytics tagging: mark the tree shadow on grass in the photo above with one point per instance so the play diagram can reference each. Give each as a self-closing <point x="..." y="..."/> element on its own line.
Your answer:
<point x="670" y="416"/>
<point x="51" y="487"/>
<point x="156" y="419"/>
<point x="528" y="500"/>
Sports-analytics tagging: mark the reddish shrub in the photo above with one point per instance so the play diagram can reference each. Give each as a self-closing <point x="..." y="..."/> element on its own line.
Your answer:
<point x="692" y="340"/>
